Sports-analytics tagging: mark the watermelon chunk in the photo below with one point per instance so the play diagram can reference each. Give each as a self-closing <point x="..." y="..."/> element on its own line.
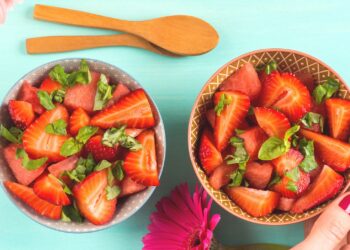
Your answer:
<point x="28" y="93"/>
<point x="221" y="176"/>
<point x="68" y="164"/>
<point x="120" y="91"/>
<point x="128" y="187"/>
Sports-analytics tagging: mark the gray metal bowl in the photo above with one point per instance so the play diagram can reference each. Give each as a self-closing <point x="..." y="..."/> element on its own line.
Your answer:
<point x="127" y="206"/>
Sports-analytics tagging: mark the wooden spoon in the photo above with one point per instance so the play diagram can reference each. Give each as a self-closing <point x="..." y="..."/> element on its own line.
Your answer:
<point x="184" y="35"/>
<point x="51" y="44"/>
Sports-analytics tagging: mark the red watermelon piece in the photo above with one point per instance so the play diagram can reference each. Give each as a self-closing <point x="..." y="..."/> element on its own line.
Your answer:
<point x="28" y="93"/>
<point x="68" y="164"/>
<point x="120" y="91"/>
<point x="128" y="187"/>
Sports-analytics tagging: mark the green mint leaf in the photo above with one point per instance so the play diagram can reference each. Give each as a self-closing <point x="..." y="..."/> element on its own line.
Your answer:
<point x="82" y="76"/>
<point x="28" y="163"/>
<point x="295" y="140"/>
<point x="112" y="192"/>
<point x="276" y="179"/>
<point x="290" y="132"/>
<point x="309" y="162"/>
<point x="272" y="148"/>
<point x="110" y="177"/>
<point x="270" y="67"/>
<point x="45" y="100"/>
<point x="103" y="93"/>
<point x="118" y="171"/>
<point x="326" y="90"/>
<point x="85" y="133"/>
<point x="102" y="165"/>
<point x="58" y="95"/>
<point x="83" y="168"/>
<point x="70" y="147"/>
<point x="57" y="74"/>
<point x="58" y="127"/>
<point x="312" y="118"/>
<point x="224" y="101"/>
<point x="130" y="143"/>
<point x="12" y="135"/>
<point x="115" y="136"/>
<point x="240" y="156"/>
<point x="236" y="178"/>
<point x="293" y="174"/>
<point x="292" y="186"/>
<point x="71" y="213"/>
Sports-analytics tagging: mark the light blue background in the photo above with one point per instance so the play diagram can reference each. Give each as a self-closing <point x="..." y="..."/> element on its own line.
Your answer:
<point x="320" y="28"/>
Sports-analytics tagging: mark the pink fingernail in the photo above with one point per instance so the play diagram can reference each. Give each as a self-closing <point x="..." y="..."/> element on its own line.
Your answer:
<point x="345" y="204"/>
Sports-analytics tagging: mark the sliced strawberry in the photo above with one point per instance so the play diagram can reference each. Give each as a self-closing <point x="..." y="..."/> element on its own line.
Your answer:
<point x="48" y="188"/>
<point x="120" y="91"/>
<point x="253" y="139"/>
<point x="99" y="151"/>
<point x="133" y="132"/>
<point x="28" y="93"/>
<point x="91" y="198"/>
<point x="338" y="111"/>
<point x="37" y="143"/>
<point x="273" y="122"/>
<point x="77" y="120"/>
<point x="325" y="187"/>
<point x="210" y="115"/>
<point x="141" y="165"/>
<point x="82" y="95"/>
<point x="332" y="152"/>
<point x="21" y="113"/>
<point x="307" y="79"/>
<point x="133" y="110"/>
<point x="28" y="196"/>
<point x="60" y="167"/>
<point x="255" y="202"/>
<point x="50" y="85"/>
<point x="21" y="174"/>
<point x="258" y="175"/>
<point x="230" y="117"/>
<point x="128" y="187"/>
<point x="245" y="80"/>
<point x="287" y="162"/>
<point x="286" y="93"/>
<point x="209" y="156"/>
<point x="221" y="176"/>
<point x="285" y="204"/>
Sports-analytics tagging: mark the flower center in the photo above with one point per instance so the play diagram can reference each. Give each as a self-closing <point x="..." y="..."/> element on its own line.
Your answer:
<point x="194" y="239"/>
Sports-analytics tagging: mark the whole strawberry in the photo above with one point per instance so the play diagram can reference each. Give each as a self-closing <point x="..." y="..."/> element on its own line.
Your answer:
<point x="100" y="151"/>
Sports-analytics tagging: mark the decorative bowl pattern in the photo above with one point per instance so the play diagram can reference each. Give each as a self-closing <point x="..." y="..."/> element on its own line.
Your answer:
<point x="287" y="60"/>
<point x="125" y="207"/>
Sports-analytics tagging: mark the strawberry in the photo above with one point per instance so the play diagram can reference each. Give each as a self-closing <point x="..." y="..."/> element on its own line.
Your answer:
<point x="57" y="169"/>
<point x="285" y="204"/>
<point x="28" y="196"/>
<point x="253" y="139"/>
<point x="258" y="175"/>
<point x="82" y="95"/>
<point x="286" y="93"/>
<point x="21" y="113"/>
<point x="22" y="175"/>
<point x="230" y="116"/>
<point x="120" y="91"/>
<point x="128" y="187"/>
<point x="48" y="188"/>
<point x="141" y="165"/>
<point x="210" y="115"/>
<point x="325" y="187"/>
<point x="133" y="132"/>
<point x="221" y="176"/>
<point x="77" y="120"/>
<point x="209" y="156"/>
<point x="255" y="202"/>
<point x="307" y="79"/>
<point x="332" y="152"/>
<point x="133" y="110"/>
<point x="37" y="143"/>
<point x="49" y="85"/>
<point x="99" y="151"/>
<point x="91" y="198"/>
<point x="273" y="122"/>
<point x="287" y="161"/>
<point x="338" y="111"/>
<point x="245" y="80"/>
<point x="28" y="93"/>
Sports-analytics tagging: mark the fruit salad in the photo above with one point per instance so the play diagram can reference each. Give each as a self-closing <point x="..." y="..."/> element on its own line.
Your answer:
<point x="78" y="144"/>
<point x="275" y="141"/>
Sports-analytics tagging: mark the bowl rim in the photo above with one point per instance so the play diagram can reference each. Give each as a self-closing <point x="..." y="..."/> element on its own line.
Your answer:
<point x="193" y="158"/>
<point x="151" y="189"/>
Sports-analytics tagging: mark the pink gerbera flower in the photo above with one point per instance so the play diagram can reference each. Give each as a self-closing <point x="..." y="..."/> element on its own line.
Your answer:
<point x="5" y="5"/>
<point x="182" y="222"/>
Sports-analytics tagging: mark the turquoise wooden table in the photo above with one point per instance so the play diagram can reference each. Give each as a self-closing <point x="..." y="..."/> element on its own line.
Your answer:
<point x="320" y="28"/>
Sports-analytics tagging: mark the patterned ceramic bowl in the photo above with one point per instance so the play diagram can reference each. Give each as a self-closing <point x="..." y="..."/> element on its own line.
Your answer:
<point x="127" y="206"/>
<point x="287" y="60"/>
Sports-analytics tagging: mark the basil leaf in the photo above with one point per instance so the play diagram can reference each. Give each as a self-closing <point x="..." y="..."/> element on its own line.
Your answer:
<point x="290" y="132"/>
<point x="115" y="136"/>
<point x="103" y="93"/>
<point x="45" y="100"/>
<point x="236" y="178"/>
<point x="58" y="127"/>
<point x="272" y="148"/>
<point x="82" y="76"/>
<point x="224" y="101"/>
<point x="28" y="163"/>
<point x="71" y="147"/>
<point x="312" y="118"/>
<point x="309" y="162"/>
<point x="292" y="186"/>
<point x="85" y="133"/>
<point x="118" y="170"/>
<point x="240" y="156"/>
<point x="270" y="67"/>
<point x="326" y="90"/>
<point x="293" y="174"/>
<point x="130" y="143"/>
<point x="102" y="165"/>
<point x="58" y="95"/>
<point x="66" y="189"/>
<point x="57" y="74"/>
<point x="71" y="213"/>
<point x="83" y="168"/>
<point x="13" y="135"/>
<point x="112" y="192"/>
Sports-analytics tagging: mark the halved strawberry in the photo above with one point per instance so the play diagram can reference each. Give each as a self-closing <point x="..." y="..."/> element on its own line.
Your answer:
<point x="141" y="165"/>
<point x="230" y="117"/>
<point x="50" y="85"/>
<point x="82" y="95"/>
<point x="37" y="143"/>
<point x="253" y="139"/>
<point x="132" y="110"/>
<point x="77" y="120"/>
<point x="91" y="198"/>
<point x="325" y="187"/>
<point x="21" y="113"/>
<point x="28" y="93"/>
<point x="245" y="80"/>
<point x="273" y="122"/>
<point x="21" y="174"/>
<point x="99" y="151"/>
<point x="287" y="161"/>
<point x="332" y="152"/>
<point x="285" y="204"/>
<point x="338" y="111"/>
<point x="57" y="169"/>
<point x="120" y="91"/>
<point x="28" y="196"/>
<point x="133" y="132"/>
<point x="307" y="79"/>
<point x="255" y="202"/>
<point x="221" y="176"/>
<point x="48" y="188"/>
<point x="211" y="116"/>
<point x="258" y="175"/>
<point x="209" y="156"/>
<point x="128" y="187"/>
<point x="286" y="93"/>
